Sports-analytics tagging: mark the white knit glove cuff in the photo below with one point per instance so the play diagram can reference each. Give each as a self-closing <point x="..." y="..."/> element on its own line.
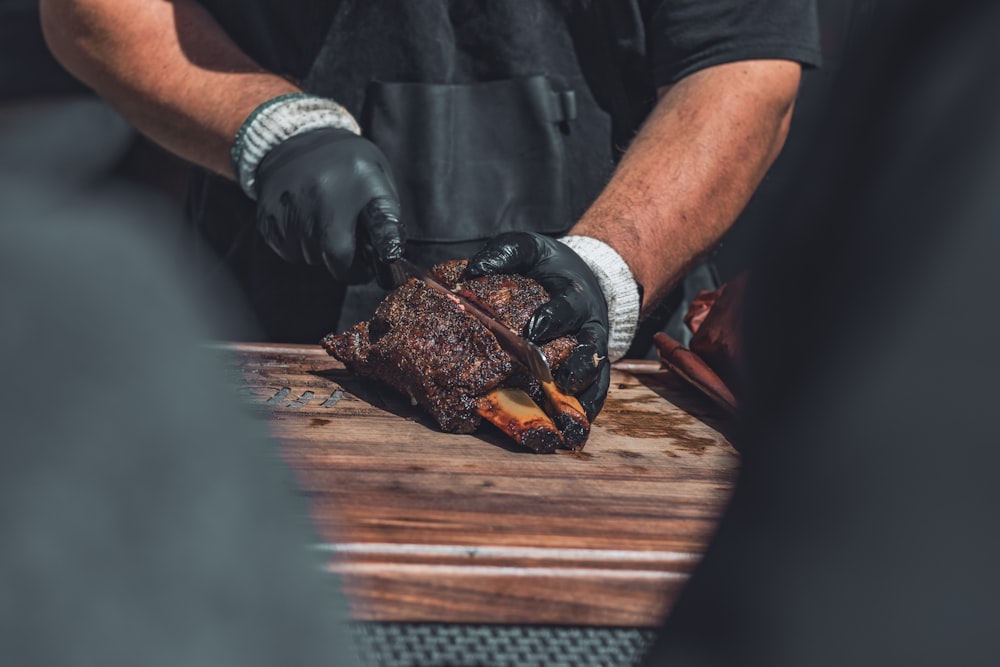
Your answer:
<point x="278" y="119"/>
<point x="621" y="291"/>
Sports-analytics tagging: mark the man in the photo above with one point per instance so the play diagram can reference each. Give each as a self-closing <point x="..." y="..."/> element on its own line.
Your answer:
<point x="475" y="119"/>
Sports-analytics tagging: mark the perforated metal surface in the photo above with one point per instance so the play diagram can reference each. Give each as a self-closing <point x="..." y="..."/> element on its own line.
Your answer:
<point x="448" y="645"/>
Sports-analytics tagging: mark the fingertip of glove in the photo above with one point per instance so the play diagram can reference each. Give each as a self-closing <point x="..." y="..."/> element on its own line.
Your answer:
<point x="487" y="262"/>
<point x="393" y="253"/>
<point x="539" y="327"/>
<point x="593" y="398"/>
<point x="472" y="270"/>
<point x="385" y="230"/>
<point x="391" y="249"/>
<point x="509" y="252"/>
<point x="580" y="369"/>
<point x="557" y="317"/>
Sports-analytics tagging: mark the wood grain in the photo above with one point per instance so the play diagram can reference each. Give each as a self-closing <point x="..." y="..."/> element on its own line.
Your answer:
<point x="436" y="527"/>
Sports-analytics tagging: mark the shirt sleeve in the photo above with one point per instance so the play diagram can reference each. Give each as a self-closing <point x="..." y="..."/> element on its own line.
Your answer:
<point x="685" y="36"/>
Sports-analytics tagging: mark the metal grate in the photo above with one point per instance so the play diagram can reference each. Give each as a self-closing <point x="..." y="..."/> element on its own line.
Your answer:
<point x="452" y="645"/>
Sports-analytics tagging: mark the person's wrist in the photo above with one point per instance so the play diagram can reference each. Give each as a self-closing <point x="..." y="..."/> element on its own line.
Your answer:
<point x="277" y="120"/>
<point x="622" y="294"/>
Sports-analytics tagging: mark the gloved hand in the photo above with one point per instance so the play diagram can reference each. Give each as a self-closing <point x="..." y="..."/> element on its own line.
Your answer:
<point x="327" y="197"/>
<point x="576" y="307"/>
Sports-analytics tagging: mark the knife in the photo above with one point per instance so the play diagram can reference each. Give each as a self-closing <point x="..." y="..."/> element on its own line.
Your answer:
<point x="695" y="371"/>
<point x="517" y="346"/>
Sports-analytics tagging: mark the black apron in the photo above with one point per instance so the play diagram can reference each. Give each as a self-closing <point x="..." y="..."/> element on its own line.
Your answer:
<point x="496" y="116"/>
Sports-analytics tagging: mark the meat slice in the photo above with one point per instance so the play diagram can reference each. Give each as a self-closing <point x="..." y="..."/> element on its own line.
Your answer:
<point x="421" y="343"/>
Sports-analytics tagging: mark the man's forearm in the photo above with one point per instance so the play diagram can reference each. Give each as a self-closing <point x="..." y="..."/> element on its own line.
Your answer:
<point x="166" y="66"/>
<point x="692" y="168"/>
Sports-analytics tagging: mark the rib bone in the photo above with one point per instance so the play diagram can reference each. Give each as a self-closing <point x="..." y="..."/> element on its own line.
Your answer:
<point x="568" y="414"/>
<point x="513" y="412"/>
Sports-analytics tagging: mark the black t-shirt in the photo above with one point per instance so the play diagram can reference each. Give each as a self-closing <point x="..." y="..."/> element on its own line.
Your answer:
<point x="612" y="55"/>
<point x="643" y="44"/>
<point x="685" y="36"/>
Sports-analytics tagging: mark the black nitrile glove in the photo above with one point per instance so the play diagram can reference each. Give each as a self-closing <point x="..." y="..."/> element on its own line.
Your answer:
<point x="327" y="197"/>
<point x="577" y="307"/>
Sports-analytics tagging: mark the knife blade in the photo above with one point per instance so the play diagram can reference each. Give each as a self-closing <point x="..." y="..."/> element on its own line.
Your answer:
<point x="517" y="346"/>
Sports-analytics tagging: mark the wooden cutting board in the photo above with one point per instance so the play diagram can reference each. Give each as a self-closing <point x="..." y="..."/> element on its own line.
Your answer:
<point x="436" y="527"/>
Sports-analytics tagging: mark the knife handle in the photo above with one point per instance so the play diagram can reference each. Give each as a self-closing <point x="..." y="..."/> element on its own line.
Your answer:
<point x="692" y="368"/>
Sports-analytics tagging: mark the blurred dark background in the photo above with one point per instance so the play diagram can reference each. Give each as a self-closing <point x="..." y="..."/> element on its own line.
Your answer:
<point x="863" y="526"/>
<point x="145" y="515"/>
